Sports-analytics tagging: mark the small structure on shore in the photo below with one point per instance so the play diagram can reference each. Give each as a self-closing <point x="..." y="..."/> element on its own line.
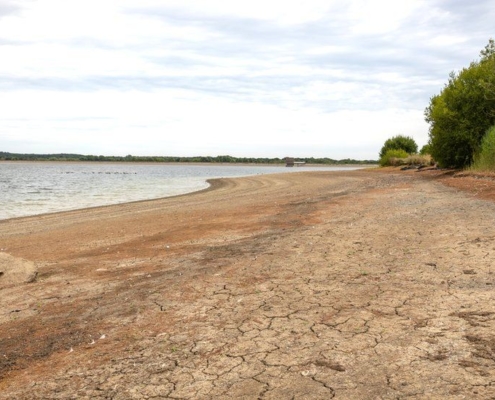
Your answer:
<point x="291" y="162"/>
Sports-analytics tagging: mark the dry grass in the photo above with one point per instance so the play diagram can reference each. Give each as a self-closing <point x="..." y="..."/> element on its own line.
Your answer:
<point x="414" y="159"/>
<point x="417" y="159"/>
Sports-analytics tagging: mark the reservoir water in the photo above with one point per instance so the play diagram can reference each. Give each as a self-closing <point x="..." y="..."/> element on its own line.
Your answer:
<point x="31" y="188"/>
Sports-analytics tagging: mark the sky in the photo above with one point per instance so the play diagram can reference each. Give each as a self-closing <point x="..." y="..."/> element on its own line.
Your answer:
<point x="312" y="78"/>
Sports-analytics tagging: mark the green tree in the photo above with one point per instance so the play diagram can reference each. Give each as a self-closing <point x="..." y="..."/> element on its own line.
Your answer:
<point x="399" y="142"/>
<point x="463" y="111"/>
<point x="426" y="149"/>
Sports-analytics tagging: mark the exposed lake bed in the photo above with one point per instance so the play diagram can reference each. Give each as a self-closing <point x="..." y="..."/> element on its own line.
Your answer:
<point x="314" y="285"/>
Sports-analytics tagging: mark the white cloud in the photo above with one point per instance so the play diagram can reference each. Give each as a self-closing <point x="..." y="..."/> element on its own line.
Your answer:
<point x="380" y="17"/>
<point x="290" y="12"/>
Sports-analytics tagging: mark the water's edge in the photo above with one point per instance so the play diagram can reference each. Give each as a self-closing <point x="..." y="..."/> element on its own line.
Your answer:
<point x="33" y="188"/>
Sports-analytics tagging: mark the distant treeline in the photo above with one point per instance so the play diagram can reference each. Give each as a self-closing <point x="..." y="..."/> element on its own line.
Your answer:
<point x="4" y="156"/>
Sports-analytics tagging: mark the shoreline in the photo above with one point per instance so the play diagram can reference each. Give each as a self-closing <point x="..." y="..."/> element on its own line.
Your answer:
<point x="45" y="207"/>
<point x="349" y="284"/>
<point x="104" y="206"/>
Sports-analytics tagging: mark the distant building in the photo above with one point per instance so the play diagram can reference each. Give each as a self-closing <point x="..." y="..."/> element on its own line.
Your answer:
<point x="291" y="162"/>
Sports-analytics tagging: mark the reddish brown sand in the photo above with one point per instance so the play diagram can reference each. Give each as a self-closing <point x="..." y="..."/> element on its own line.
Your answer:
<point x="314" y="285"/>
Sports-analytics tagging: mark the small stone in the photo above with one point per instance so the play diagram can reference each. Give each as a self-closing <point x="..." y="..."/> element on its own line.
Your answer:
<point x="32" y="278"/>
<point x="469" y="272"/>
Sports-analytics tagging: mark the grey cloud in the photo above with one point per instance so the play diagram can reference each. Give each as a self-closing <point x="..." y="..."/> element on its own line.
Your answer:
<point x="8" y="8"/>
<point x="407" y="53"/>
<point x="253" y="39"/>
<point x="250" y="39"/>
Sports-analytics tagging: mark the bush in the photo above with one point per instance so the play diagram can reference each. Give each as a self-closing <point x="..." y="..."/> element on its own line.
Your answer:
<point x="484" y="160"/>
<point x="393" y="157"/>
<point x="399" y="142"/>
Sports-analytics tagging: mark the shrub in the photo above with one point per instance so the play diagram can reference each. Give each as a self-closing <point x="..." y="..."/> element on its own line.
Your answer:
<point x="399" y="142"/>
<point x="418" y="159"/>
<point x="393" y="157"/>
<point x="484" y="160"/>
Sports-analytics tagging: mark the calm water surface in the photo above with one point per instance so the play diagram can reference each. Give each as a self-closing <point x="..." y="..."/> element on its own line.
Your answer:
<point x="30" y="188"/>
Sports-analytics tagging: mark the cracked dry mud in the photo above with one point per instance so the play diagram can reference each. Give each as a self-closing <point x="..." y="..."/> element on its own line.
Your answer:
<point x="345" y="285"/>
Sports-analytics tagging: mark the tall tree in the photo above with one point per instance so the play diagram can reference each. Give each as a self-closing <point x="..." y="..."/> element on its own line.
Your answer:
<point x="463" y="111"/>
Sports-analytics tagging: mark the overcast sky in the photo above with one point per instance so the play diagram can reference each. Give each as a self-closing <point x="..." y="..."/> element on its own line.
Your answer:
<point x="263" y="78"/>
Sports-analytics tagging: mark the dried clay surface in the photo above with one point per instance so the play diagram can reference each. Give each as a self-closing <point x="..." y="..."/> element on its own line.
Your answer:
<point x="313" y="285"/>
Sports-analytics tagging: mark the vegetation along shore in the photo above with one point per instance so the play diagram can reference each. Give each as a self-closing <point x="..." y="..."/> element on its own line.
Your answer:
<point x="461" y="119"/>
<point x="5" y="156"/>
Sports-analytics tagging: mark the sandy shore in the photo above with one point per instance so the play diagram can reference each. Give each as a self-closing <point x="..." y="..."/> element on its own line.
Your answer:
<point x="315" y="285"/>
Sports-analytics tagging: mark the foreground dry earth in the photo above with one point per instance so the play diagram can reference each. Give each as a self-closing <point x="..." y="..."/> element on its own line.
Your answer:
<point x="348" y="285"/>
